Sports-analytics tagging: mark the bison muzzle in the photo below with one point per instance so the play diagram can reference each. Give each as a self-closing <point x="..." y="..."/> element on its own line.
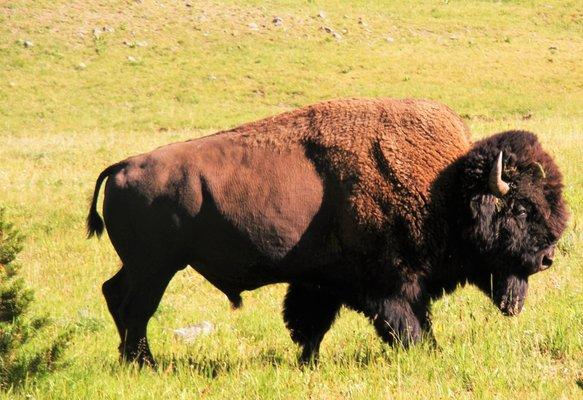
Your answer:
<point x="378" y="205"/>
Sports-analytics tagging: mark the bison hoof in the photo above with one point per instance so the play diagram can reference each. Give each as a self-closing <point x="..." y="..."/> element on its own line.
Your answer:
<point x="308" y="358"/>
<point x="139" y="355"/>
<point x="143" y="360"/>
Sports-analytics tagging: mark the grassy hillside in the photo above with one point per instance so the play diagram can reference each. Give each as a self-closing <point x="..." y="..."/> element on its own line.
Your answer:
<point x="84" y="84"/>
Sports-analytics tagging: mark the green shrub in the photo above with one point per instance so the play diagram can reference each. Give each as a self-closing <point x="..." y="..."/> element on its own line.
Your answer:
<point x="20" y="357"/>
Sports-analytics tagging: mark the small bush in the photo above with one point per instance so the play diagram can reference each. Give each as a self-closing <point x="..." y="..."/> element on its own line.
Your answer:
<point x="19" y="357"/>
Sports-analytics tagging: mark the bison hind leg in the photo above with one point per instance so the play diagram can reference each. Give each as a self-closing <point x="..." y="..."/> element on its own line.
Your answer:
<point x="138" y="306"/>
<point x="114" y="290"/>
<point x="309" y="312"/>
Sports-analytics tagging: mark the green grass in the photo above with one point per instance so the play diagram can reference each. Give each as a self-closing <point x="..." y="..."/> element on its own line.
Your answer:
<point x="509" y="64"/>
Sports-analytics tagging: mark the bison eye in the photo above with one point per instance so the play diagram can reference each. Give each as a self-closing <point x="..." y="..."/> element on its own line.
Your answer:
<point x="520" y="211"/>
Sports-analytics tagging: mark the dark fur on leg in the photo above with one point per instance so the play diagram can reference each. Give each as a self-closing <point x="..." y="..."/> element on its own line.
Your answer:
<point x="397" y="321"/>
<point x="136" y="310"/>
<point x="309" y="312"/>
<point x="114" y="290"/>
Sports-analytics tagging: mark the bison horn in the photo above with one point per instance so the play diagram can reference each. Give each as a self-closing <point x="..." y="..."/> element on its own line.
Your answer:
<point x="498" y="187"/>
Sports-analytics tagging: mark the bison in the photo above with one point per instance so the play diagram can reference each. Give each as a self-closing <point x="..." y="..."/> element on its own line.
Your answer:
<point x="378" y="205"/>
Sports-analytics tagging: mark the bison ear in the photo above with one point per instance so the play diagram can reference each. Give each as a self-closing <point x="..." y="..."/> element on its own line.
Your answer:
<point x="538" y="170"/>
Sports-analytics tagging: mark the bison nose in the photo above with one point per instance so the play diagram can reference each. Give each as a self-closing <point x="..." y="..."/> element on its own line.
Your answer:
<point x="547" y="259"/>
<point x="546" y="262"/>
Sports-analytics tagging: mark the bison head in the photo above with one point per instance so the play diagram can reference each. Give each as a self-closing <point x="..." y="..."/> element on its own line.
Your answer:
<point x="512" y="215"/>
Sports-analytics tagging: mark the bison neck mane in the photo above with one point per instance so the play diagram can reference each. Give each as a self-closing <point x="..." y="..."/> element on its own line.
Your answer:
<point x="446" y="268"/>
<point x="454" y="259"/>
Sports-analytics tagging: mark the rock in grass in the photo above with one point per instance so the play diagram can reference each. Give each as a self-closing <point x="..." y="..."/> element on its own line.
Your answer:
<point x="277" y="21"/>
<point x="132" y="44"/>
<point x="81" y="66"/>
<point x="97" y="32"/>
<point x="189" y="333"/>
<point x="334" y="34"/>
<point x="28" y="44"/>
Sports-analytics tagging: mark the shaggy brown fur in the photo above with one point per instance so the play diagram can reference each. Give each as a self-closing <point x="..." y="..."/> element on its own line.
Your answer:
<point x="510" y="238"/>
<point x="352" y="202"/>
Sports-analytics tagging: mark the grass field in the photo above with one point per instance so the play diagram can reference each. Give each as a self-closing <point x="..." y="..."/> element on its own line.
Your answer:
<point x="84" y="84"/>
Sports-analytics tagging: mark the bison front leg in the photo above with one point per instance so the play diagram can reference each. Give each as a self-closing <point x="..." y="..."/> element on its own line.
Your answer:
<point x="398" y="321"/>
<point x="309" y="313"/>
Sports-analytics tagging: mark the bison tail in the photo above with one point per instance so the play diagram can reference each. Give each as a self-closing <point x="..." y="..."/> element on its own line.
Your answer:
<point x="94" y="221"/>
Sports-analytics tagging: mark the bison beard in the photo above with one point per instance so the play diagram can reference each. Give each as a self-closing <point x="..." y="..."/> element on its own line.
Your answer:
<point x="377" y="205"/>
